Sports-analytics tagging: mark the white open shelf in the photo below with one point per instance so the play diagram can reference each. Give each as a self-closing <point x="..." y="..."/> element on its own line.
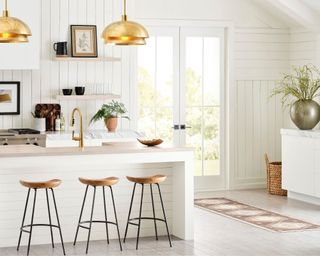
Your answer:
<point x="108" y="96"/>
<point x="86" y="59"/>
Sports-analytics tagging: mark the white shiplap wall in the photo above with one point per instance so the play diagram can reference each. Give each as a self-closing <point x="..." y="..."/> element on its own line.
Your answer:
<point x="303" y="48"/>
<point x="262" y="55"/>
<point x="44" y="84"/>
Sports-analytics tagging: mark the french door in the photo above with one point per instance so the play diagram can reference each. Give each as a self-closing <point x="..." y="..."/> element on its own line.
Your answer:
<point x="181" y="92"/>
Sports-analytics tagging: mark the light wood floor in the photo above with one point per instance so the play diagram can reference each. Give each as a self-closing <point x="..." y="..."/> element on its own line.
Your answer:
<point x="216" y="235"/>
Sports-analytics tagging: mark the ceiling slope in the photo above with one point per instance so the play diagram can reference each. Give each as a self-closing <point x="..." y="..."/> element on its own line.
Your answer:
<point x="303" y="13"/>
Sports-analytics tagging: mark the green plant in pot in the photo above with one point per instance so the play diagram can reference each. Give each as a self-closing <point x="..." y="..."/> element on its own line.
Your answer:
<point x="302" y="85"/>
<point x="110" y="113"/>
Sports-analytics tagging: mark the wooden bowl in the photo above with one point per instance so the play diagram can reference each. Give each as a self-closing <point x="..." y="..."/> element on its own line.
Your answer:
<point x="150" y="143"/>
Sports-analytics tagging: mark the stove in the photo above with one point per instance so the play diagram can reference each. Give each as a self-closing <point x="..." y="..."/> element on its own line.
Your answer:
<point x="22" y="136"/>
<point x="23" y="131"/>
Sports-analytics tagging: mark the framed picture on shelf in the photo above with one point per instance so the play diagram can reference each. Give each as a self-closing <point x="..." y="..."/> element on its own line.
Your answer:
<point x="10" y="98"/>
<point x="84" y="41"/>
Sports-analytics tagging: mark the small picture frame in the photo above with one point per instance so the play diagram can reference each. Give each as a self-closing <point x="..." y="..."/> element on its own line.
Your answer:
<point x="10" y="98"/>
<point x="84" y="41"/>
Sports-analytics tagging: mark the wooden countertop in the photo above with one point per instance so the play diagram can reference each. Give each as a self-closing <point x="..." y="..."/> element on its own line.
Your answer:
<point x="106" y="148"/>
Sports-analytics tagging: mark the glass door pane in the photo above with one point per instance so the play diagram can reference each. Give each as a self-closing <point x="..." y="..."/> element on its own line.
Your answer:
<point x="155" y="87"/>
<point x="202" y="71"/>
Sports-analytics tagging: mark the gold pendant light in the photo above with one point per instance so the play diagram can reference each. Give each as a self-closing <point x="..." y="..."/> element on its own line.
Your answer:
<point x="125" y="32"/>
<point x="13" y="30"/>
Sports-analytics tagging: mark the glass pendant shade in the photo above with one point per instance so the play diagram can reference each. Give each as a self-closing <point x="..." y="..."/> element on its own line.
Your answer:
<point x="125" y="32"/>
<point x="13" y="30"/>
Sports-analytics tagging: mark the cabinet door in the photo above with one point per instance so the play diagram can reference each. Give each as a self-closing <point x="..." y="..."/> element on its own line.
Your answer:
<point x="23" y="55"/>
<point x="298" y="164"/>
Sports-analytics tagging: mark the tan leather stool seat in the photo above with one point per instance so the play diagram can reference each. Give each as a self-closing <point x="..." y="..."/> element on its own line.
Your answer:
<point x="148" y="180"/>
<point x="110" y="181"/>
<point x="41" y="184"/>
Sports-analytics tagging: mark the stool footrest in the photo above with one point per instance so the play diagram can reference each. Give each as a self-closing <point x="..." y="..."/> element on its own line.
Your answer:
<point x="144" y="218"/>
<point x="36" y="225"/>
<point x="95" y="221"/>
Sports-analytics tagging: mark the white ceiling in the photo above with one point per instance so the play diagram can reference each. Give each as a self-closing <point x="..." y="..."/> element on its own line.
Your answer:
<point x="314" y="4"/>
<point x="295" y="13"/>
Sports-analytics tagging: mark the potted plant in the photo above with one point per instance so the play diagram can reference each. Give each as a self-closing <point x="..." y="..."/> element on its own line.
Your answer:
<point x="110" y="113"/>
<point x="302" y="85"/>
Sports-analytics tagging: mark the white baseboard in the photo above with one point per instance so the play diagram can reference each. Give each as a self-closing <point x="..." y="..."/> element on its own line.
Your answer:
<point x="248" y="186"/>
<point x="304" y="198"/>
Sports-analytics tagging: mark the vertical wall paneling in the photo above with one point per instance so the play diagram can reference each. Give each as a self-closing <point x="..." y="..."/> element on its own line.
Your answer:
<point x="259" y="120"/>
<point x="262" y="55"/>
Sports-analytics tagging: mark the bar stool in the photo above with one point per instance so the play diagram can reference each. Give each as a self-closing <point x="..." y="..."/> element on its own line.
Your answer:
<point x="107" y="182"/>
<point x="51" y="184"/>
<point x="153" y="180"/>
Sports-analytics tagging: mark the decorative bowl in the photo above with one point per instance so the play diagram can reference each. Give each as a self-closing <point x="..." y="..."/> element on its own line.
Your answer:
<point x="150" y="143"/>
<point x="67" y="91"/>
<point x="79" y="90"/>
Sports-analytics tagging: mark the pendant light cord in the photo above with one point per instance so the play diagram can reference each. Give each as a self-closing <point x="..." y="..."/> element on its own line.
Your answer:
<point x="124" y="8"/>
<point x="5" y="11"/>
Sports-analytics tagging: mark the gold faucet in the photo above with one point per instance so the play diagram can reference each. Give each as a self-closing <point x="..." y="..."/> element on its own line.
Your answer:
<point x="80" y="137"/>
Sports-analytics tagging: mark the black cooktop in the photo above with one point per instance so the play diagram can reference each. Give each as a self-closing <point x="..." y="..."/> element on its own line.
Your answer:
<point x="23" y="131"/>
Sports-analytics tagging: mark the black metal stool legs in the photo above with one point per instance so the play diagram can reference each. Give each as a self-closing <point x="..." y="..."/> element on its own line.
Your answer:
<point x="106" y="222"/>
<point x="32" y="217"/>
<point x="58" y="221"/>
<point x="140" y="212"/>
<point x="116" y="218"/>
<point x="146" y="218"/>
<point x="129" y="214"/>
<point x="154" y="213"/>
<point x="23" y="227"/>
<point x="84" y="200"/>
<point x="105" y="212"/>
<point x="164" y="215"/>
<point x="90" y="223"/>
<point x="23" y="218"/>
<point x="49" y="214"/>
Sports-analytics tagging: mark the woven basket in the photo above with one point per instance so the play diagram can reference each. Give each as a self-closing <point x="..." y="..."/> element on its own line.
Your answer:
<point x="274" y="178"/>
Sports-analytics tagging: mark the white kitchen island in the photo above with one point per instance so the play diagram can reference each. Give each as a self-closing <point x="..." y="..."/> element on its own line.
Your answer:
<point x="301" y="164"/>
<point x="36" y="164"/>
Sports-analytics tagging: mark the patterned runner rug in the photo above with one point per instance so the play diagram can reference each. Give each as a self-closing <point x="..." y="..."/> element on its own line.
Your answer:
<point x="254" y="216"/>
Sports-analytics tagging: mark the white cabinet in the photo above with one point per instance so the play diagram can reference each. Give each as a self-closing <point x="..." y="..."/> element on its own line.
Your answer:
<point x="301" y="164"/>
<point x="23" y="55"/>
<point x="298" y="161"/>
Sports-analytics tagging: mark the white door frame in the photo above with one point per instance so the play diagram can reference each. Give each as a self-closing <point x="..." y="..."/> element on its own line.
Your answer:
<point x="229" y="92"/>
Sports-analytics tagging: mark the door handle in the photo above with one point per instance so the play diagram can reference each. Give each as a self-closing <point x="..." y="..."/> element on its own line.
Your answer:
<point x="183" y="127"/>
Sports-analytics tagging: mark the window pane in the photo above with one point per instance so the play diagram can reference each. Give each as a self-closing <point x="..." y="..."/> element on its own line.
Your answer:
<point x="194" y="136"/>
<point x="211" y="71"/>
<point x="155" y="85"/>
<point x="164" y="123"/>
<point x="194" y="52"/>
<point x="211" y="150"/>
<point x="164" y="71"/>
<point x="146" y="74"/>
<point x="147" y="122"/>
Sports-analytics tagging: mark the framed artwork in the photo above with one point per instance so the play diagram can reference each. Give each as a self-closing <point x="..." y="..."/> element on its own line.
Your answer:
<point x="84" y="41"/>
<point x="9" y="98"/>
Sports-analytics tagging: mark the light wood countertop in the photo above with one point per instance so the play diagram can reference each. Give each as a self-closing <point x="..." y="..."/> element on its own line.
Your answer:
<point x="106" y="148"/>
